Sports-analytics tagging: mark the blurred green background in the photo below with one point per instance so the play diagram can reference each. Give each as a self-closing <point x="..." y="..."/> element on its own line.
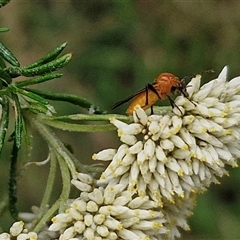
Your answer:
<point x="118" y="47"/>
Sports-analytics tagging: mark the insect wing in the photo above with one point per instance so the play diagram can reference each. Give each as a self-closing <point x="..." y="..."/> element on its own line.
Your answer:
<point x="117" y="104"/>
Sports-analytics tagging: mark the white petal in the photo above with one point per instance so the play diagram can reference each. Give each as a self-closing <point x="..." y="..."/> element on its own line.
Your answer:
<point x="160" y="154"/>
<point x="4" y="236"/>
<point x="104" y="155"/>
<point x="136" y="148"/>
<point x="16" y="228"/>
<point x="84" y="187"/>
<point x="139" y="115"/>
<point x="128" y="159"/>
<point x="69" y="233"/>
<point x="178" y="142"/>
<point x="204" y="91"/>
<point x="223" y="73"/>
<point x="118" y="123"/>
<point x="193" y="85"/>
<point x="166" y="145"/>
<point x="153" y="163"/>
<point x="99" y="218"/>
<point x="113" y="224"/>
<point x="102" y="231"/>
<point x="92" y="206"/>
<point x="86" y="178"/>
<point x="154" y="127"/>
<point x="96" y="196"/>
<point x="89" y="233"/>
<point x="79" y="226"/>
<point x="128" y="139"/>
<point x="131" y="129"/>
<point x="149" y="148"/>
<point x="88" y="219"/>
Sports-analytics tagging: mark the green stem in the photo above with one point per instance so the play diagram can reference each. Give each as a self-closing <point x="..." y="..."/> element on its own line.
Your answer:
<point x="54" y="122"/>
<point x="59" y="147"/>
<point x="46" y="217"/>
<point x="48" y="190"/>
<point x="56" y="144"/>
<point x="13" y="182"/>
<point x="60" y="204"/>
<point x="4" y="121"/>
<point x="18" y="120"/>
<point x="78" y="127"/>
<point x="91" y="117"/>
<point x="66" y="181"/>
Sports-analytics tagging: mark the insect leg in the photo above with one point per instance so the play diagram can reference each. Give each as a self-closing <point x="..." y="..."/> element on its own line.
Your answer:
<point x="146" y="89"/>
<point x="185" y="94"/>
<point x="173" y="104"/>
<point x="150" y="86"/>
<point x="151" y="110"/>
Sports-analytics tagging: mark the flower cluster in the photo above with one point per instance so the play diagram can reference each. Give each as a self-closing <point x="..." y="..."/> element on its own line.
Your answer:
<point x="108" y="213"/>
<point x="17" y="231"/>
<point x="168" y="158"/>
<point x="148" y="190"/>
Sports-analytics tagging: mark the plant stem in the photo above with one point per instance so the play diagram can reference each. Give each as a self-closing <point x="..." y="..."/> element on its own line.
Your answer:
<point x="49" y="187"/>
<point x="66" y="181"/>
<point x="59" y="147"/>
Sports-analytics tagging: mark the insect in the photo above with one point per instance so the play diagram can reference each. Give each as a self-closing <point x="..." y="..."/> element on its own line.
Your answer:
<point x="162" y="87"/>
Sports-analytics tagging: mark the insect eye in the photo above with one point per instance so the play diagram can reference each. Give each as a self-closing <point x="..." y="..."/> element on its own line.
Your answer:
<point x="173" y="88"/>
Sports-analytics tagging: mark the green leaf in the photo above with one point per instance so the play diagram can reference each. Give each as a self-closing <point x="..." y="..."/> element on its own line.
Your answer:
<point x="4" y="77"/>
<point x="2" y="63"/>
<point x="37" y="80"/>
<point x="82" y="102"/>
<point x="31" y="95"/>
<point x="39" y="70"/>
<point x="39" y="108"/>
<point x="7" y="55"/>
<point x="18" y="121"/>
<point x="4" y="29"/>
<point x="13" y="182"/>
<point x="3" y="2"/>
<point x="78" y="127"/>
<point x="93" y="117"/>
<point x="4" y="121"/>
<point x="51" y="56"/>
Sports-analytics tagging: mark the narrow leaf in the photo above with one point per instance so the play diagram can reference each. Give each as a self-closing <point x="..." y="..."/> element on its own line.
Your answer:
<point x="13" y="182"/>
<point x="93" y="117"/>
<point x="82" y="102"/>
<point x="37" y="80"/>
<point x="5" y="78"/>
<point x="4" y="29"/>
<point x="39" y="70"/>
<point x="49" y="57"/>
<point x="18" y="121"/>
<point x="4" y="121"/>
<point x="78" y="127"/>
<point x="7" y="55"/>
<point x="31" y="95"/>
<point x="2" y="63"/>
<point x="3" y="2"/>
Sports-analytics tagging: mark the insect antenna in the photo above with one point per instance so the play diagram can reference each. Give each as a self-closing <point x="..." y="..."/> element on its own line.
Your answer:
<point x="190" y="76"/>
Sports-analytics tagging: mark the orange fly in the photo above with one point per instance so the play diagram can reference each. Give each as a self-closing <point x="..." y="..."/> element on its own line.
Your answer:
<point x="162" y="87"/>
